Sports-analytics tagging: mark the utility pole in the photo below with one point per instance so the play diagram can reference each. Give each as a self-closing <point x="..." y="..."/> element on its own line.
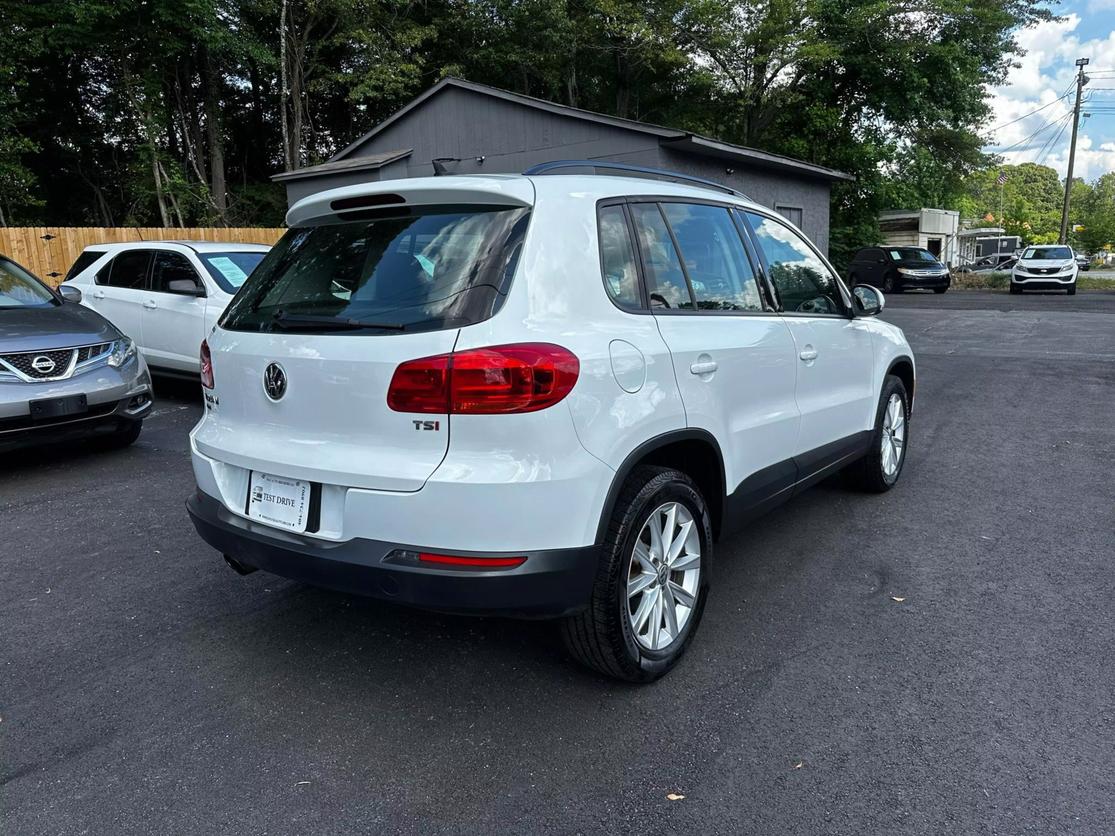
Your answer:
<point x="1081" y="80"/>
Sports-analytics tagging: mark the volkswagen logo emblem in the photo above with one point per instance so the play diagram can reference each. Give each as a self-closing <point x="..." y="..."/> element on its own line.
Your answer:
<point x="274" y="381"/>
<point x="43" y="364"/>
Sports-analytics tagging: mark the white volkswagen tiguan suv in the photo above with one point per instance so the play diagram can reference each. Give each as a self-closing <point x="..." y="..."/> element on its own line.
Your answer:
<point x="541" y="395"/>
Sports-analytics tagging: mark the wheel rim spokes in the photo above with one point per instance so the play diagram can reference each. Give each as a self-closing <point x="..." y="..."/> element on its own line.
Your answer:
<point x="894" y="435"/>
<point x="663" y="576"/>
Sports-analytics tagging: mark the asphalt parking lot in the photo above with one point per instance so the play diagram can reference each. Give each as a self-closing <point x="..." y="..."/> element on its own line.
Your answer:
<point x="938" y="659"/>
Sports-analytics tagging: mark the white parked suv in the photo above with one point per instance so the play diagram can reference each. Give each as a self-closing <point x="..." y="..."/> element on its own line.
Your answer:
<point x="165" y="295"/>
<point x="545" y="395"/>
<point x="1045" y="268"/>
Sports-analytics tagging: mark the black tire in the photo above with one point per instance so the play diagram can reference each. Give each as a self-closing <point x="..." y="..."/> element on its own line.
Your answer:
<point x="889" y="285"/>
<point x="939" y="289"/>
<point x="868" y="473"/>
<point x="124" y="436"/>
<point x="601" y="636"/>
<point x="1015" y="289"/>
<point x="1072" y="289"/>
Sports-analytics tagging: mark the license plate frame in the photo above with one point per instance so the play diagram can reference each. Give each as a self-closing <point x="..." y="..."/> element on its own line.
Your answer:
<point x="50" y="409"/>
<point x="279" y="501"/>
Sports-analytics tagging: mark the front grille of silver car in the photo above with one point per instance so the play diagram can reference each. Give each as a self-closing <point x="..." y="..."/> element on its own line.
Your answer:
<point x="55" y="364"/>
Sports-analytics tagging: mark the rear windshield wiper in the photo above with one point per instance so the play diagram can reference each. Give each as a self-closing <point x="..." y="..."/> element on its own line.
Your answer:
<point x="292" y="322"/>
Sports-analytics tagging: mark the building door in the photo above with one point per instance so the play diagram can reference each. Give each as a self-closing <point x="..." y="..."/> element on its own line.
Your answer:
<point x="934" y="246"/>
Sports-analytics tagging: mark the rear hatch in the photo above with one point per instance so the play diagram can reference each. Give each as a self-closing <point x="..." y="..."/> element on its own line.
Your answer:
<point x="331" y="313"/>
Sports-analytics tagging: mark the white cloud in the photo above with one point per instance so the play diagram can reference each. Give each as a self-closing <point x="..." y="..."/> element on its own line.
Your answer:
<point x="1046" y="73"/>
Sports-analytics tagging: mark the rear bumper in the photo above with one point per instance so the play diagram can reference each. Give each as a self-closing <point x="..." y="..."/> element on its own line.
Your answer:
<point x="549" y="584"/>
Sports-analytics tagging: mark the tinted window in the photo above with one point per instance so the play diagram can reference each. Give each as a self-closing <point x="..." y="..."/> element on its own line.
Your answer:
<point x="171" y="267"/>
<point x="128" y="269"/>
<point x="804" y="283"/>
<point x="714" y="258"/>
<point x="230" y="270"/>
<point x="83" y="261"/>
<point x="444" y="268"/>
<point x="19" y="289"/>
<point x="617" y="258"/>
<point x="790" y="213"/>
<point x="665" y="279"/>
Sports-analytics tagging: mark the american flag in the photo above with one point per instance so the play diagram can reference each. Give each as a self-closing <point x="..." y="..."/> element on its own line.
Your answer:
<point x="1002" y="178"/>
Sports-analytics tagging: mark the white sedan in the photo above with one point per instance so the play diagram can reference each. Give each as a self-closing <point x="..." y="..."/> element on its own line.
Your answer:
<point x="165" y="295"/>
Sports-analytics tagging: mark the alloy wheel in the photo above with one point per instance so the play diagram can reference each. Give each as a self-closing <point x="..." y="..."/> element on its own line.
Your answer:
<point x="894" y="435"/>
<point x="663" y="576"/>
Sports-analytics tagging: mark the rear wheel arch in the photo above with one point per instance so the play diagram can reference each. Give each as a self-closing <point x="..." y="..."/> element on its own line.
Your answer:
<point x="694" y="452"/>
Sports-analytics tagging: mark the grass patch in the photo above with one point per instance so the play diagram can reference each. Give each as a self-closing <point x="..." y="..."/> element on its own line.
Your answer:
<point x="1001" y="281"/>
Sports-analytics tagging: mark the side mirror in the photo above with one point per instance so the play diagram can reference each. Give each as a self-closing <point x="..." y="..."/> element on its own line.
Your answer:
<point x="69" y="293"/>
<point x="185" y="287"/>
<point x="869" y="300"/>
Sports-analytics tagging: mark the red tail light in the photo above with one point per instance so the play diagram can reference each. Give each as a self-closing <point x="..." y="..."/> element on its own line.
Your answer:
<point x="206" y="366"/>
<point x="475" y="562"/>
<point x="524" y="377"/>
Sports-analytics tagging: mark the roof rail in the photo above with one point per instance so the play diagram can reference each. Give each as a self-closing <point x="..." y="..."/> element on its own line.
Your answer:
<point x="556" y="167"/>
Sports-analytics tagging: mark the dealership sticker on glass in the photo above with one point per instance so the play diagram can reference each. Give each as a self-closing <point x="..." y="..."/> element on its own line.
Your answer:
<point x="229" y="269"/>
<point x="278" y="501"/>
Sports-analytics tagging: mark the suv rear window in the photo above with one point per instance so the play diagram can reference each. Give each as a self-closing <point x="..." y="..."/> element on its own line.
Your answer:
<point x="433" y="268"/>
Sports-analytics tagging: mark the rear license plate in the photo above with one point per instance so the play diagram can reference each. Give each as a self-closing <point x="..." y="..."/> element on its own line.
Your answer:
<point x="48" y="408"/>
<point x="278" y="501"/>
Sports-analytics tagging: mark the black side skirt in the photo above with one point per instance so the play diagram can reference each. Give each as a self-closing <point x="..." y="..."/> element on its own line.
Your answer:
<point x="770" y="487"/>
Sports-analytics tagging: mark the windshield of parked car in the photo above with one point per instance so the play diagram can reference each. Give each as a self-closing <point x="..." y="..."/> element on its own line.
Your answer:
<point x="432" y="268"/>
<point x="19" y="289"/>
<point x="229" y="270"/>
<point x="1047" y="253"/>
<point x="912" y="254"/>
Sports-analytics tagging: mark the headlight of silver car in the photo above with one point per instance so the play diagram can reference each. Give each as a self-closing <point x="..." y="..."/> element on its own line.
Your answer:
<point x="122" y="351"/>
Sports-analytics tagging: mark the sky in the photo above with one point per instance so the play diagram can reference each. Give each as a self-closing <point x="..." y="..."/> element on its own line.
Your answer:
<point x="1045" y="73"/>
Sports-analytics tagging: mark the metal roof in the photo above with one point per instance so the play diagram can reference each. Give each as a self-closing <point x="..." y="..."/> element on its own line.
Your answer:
<point x="337" y="165"/>
<point x="669" y="137"/>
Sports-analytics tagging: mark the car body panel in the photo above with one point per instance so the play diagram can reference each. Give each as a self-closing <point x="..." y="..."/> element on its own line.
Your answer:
<point x="167" y="327"/>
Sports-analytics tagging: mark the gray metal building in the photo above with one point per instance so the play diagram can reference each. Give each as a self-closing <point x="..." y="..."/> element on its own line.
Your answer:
<point x="474" y="129"/>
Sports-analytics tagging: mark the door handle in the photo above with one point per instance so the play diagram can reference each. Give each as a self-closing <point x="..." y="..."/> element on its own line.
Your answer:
<point x="98" y="294"/>
<point x="808" y="354"/>
<point x="150" y="304"/>
<point x="704" y="367"/>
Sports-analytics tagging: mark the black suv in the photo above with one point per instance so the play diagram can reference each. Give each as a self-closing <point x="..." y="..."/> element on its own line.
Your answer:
<point x="896" y="268"/>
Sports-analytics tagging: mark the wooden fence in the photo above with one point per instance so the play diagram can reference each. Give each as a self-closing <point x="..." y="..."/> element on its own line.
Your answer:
<point x="49" y="251"/>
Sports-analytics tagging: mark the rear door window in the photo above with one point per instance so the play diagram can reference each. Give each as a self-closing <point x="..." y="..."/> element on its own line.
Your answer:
<point x="128" y="270"/>
<point x="435" y="268"/>
<point x="714" y="258"/>
<point x="666" y="284"/>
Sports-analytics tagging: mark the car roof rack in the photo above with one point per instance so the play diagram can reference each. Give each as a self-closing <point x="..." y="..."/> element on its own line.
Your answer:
<point x="557" y="166"/>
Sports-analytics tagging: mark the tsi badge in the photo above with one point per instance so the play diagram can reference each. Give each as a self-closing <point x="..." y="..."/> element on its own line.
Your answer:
<point x="427" y="425"/>
<point x="274" y="381"/>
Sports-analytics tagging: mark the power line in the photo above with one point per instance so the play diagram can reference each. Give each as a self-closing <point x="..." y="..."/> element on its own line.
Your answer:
<point x="1032" y="112"/>
<point x="1051" y="145"/>
<point x="1047" y="126"/>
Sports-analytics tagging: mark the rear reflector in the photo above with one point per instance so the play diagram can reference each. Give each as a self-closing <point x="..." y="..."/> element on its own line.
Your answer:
<point x="501" y="379"/>
<point x="485" y="562"/>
